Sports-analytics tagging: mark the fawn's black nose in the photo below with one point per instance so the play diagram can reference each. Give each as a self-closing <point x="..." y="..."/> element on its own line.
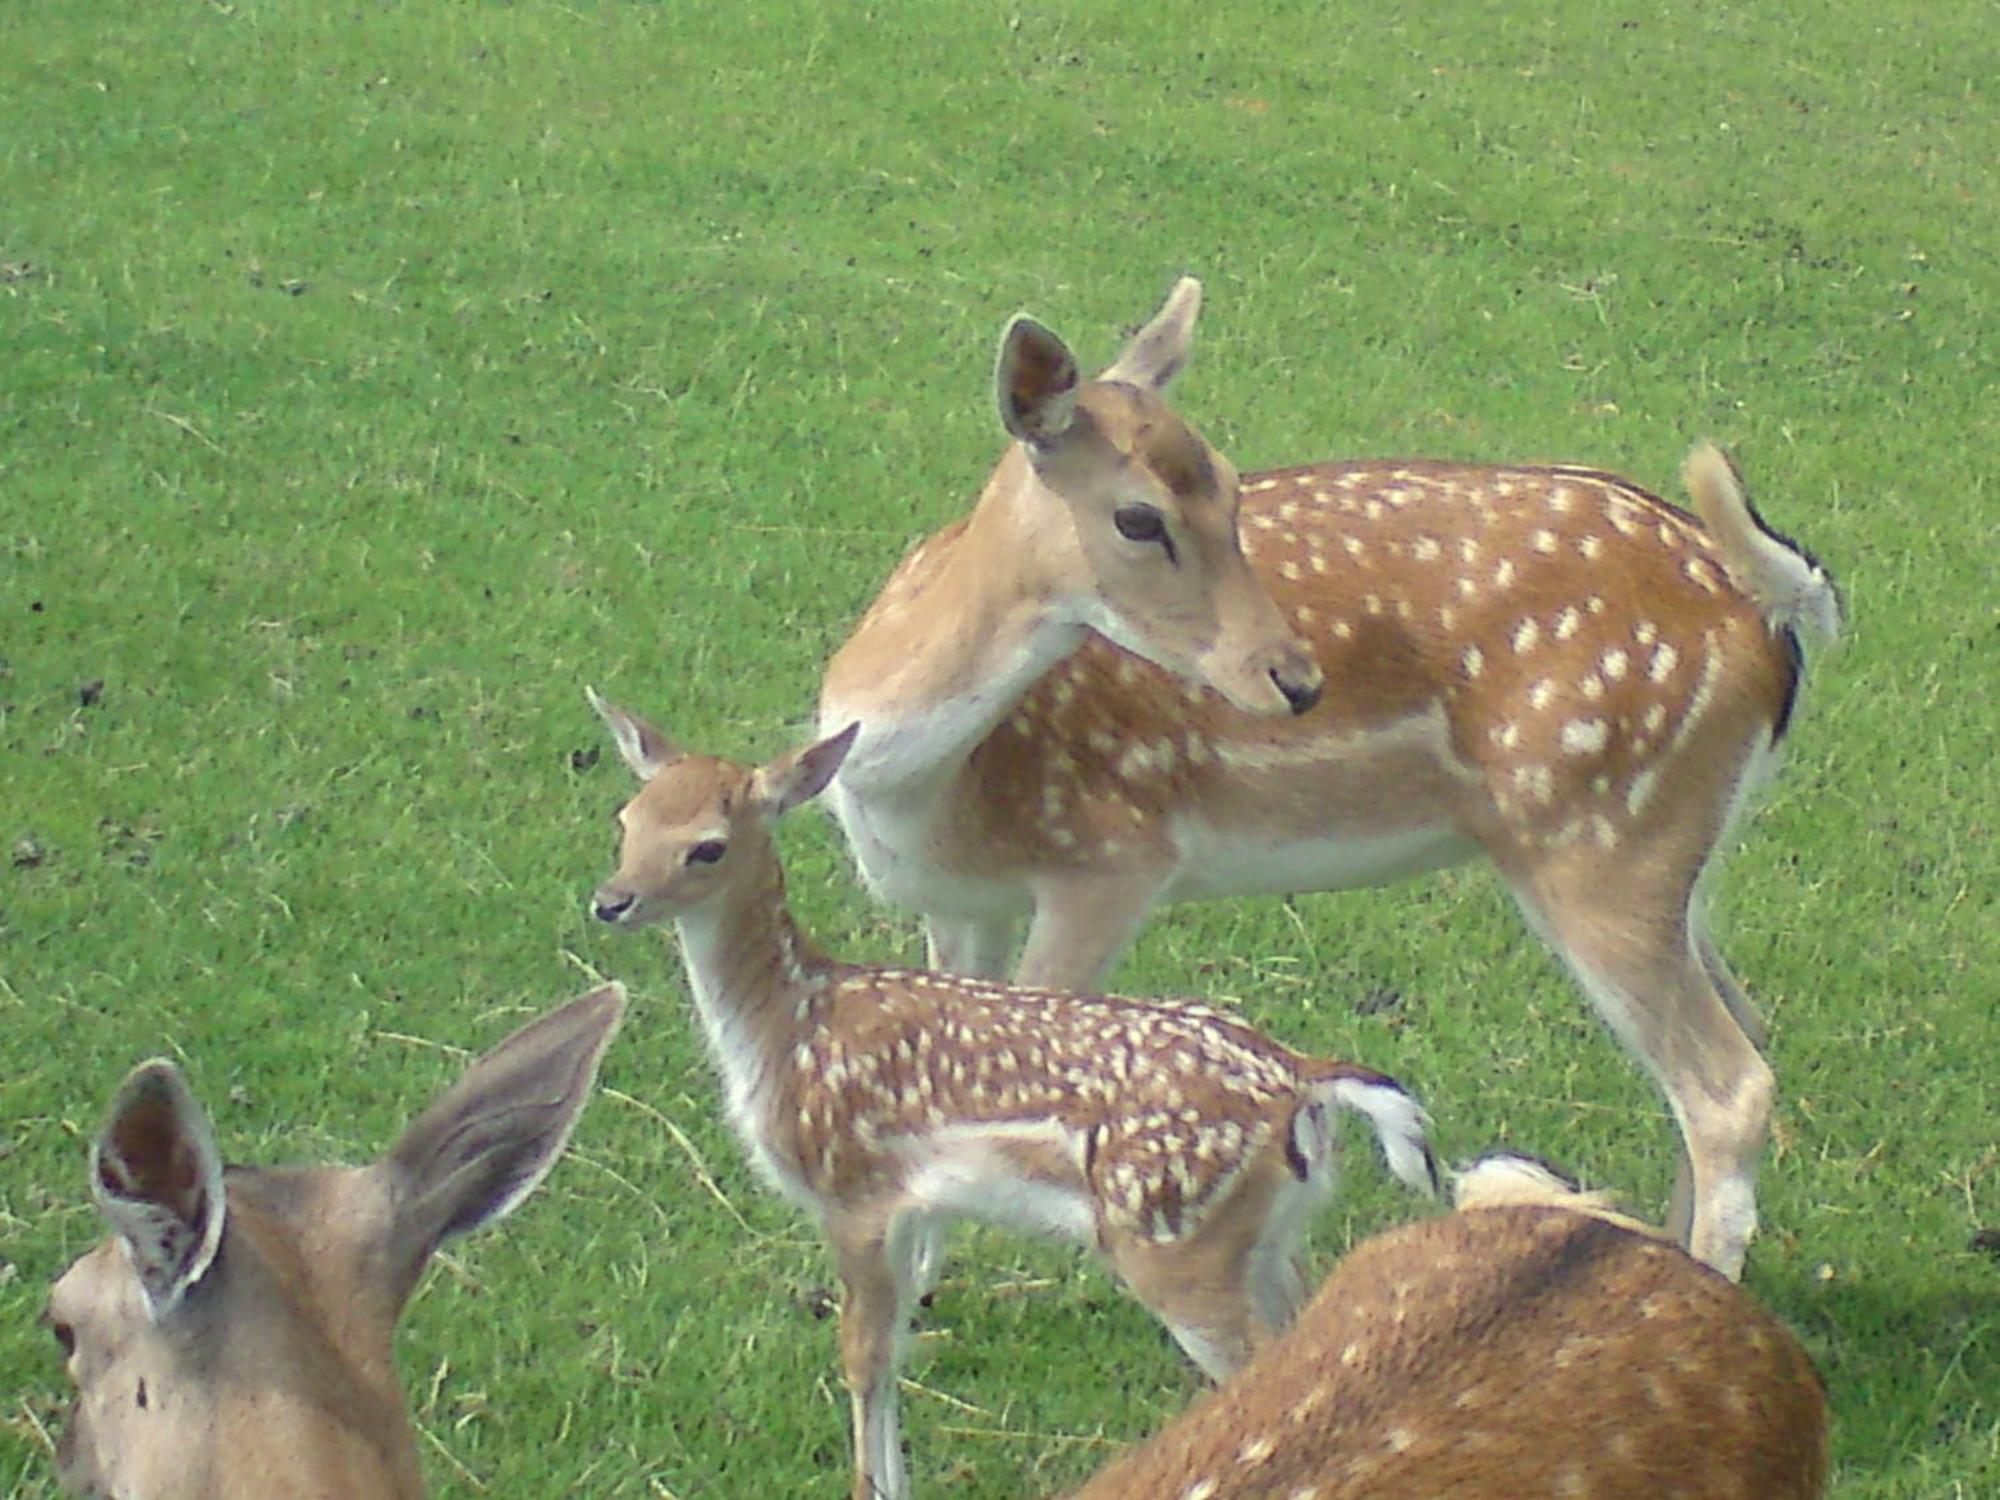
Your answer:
<point x="611" y="908"/>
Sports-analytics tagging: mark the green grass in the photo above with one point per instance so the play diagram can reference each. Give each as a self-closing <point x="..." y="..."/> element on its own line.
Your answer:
<point x="372" y="376"/>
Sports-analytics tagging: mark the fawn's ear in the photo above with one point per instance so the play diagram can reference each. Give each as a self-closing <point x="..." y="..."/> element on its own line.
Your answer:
<point x="157" y="1179"/>
<point x="1157" y="352"/>
<point x="492" y="1136"/>
<point x="801" y="775"/>
<point x="1036" y="382"/>
<point x="645" y="749"/>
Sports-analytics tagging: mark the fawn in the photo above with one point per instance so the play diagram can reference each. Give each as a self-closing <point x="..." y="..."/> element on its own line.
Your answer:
<point x="1188" y="1147"/>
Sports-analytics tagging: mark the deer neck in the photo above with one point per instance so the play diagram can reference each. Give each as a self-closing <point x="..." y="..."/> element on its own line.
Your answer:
<point x="966" y="625"/>
<point x="753" y="975"/>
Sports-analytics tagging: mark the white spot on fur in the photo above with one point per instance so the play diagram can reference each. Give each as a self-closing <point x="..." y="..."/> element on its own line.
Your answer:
<point x="1613" y="665"/>
<point x="1568" y="623"/>
<point x="1641" y="789"/>
<point x="1536" y="782"/>
<point x="1585" y="736"/>
<point x="1468" y="549"/>
<point x="1503" y="575"/>
<point x="1525" y="635"/>
<point x="1663" y="663"/>
<point x="1544" y="542"/>
<point x="1542" y="693"/>
<point x="1474" y="661"/>
<point x="1590" y="548"/>
<point x="1425" y="549"/>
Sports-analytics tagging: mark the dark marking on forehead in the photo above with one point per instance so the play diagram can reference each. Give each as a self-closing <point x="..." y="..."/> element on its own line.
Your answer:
<point x="689" y="784"/>
<point x="1159" y="440"/>
<point x="1180" y="458"/>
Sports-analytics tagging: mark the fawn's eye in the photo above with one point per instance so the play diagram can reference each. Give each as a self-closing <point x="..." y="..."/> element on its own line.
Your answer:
<point x="707" y="852"/>
<point x="1139" y="523"/>
<point x="65" y="1336"/>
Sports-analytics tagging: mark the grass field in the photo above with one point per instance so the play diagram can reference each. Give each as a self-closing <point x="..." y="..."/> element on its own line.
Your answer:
<point x="373" y="376"/>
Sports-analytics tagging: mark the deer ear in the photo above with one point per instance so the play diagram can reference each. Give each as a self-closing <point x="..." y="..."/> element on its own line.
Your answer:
<point x="802" y="775"/>
<point x="1035" y="381"/>
<point x="493" y="1136"/>
<point x="1157" y="352"/>
<point x="157" y="1179"/>
<point x="645" y="749"/>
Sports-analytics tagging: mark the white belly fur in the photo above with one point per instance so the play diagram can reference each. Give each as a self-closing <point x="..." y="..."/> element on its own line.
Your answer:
<point x="967" y="1172"/>
<point x="1212" y="864"/>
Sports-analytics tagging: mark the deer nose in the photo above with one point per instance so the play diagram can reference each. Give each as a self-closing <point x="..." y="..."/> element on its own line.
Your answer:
<point x="1301" y="695"/>
<point x="611" y="908"/>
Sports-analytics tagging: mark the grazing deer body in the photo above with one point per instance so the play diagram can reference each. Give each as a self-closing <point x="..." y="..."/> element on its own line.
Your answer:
<point x="1549" y="666"/>
<point x="1528" y="1344"/>
<point x="231" y="1340"/>
<point x="1185" y="1145"/>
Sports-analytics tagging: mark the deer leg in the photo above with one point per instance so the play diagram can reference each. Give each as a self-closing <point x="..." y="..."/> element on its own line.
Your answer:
<point x="977" y="947"/>
<point x="1082" y="923"/>
<point x="1204" y="1299"/>
<point x="875" y="1274"/>
<point x="1276" y="1287"/>
<point x="1638" y="957"/>
<point x="926" y="1256"/>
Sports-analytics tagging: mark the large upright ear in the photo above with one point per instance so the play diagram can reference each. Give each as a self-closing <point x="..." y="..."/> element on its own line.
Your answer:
<point x="803" y="774"/>
<point x="1036" y="382"/>
<point x="157" y="1179"/>
<point x="482" y="1147"/>
<point x="644" y="748"/>
<point x="1159" y="350"/>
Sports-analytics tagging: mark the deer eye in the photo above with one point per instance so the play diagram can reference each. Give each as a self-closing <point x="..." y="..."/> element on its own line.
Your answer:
<point x="1139" y="523"/>
<point x="707" y="852"/>
<point x="65" y="1336"/>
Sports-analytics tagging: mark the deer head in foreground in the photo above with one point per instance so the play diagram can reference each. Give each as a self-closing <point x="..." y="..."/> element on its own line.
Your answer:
<point x="1189" y="1148"/>
<point x="1530" y="1344"/>
<point x="231" y="1339"/>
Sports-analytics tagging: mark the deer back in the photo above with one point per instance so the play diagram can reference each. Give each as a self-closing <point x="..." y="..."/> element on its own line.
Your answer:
<point x="1500" y="1352"/>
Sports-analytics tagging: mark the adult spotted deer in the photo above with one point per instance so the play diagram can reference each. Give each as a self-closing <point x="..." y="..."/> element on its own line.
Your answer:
<point x="1529" y="1344"/>
<point x="1186" y="1146"/>
<point x="231" y="1339"/>
<point x="1549" y="666"/>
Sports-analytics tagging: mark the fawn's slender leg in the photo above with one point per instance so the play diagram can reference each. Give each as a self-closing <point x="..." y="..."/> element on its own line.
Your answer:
<point x="875" y="1274"/>
<point x="1203" y="1299"/>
